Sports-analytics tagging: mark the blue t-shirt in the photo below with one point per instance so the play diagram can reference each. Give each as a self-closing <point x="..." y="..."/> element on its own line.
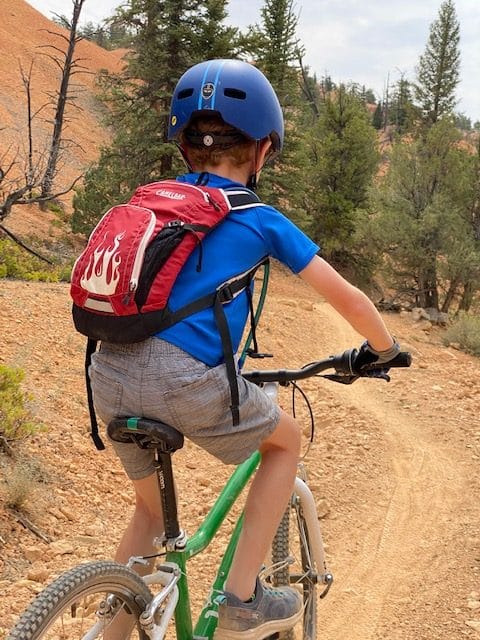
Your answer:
<point x="242" y="240"/>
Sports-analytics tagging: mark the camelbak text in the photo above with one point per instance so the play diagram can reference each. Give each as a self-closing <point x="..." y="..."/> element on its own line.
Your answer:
<point x="173" y="195"/>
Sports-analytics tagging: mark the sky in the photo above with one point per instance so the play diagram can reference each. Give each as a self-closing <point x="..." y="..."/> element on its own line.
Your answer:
<point x="351" y="40"/>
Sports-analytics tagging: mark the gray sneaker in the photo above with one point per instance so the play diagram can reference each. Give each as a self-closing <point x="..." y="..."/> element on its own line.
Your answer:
<point x="271" y="611"/>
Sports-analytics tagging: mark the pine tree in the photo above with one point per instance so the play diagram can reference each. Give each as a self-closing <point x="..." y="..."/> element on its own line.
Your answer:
<point x="278" y="55"/>
<point x="377" y="119"/>
<point x="438" y="68"/>
<point x="423" y="222"/>
<point x="343" y="159"/>
<point x="167" y="38"/>
<point x="279" y="49"/>
<point x="214" y="39"/>
<point x="401" y="106"/>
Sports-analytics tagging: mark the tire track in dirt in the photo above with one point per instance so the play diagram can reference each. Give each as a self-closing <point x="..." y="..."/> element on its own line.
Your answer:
<point x="422" y="486"/>
<point x="392" y="550"/>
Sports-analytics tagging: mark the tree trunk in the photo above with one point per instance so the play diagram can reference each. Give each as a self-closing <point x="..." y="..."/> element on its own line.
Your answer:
<point x="428" y="292"/>
<point x="466" y="300"/>
<point x="47" y="182"/>
<point x="452" y="290"/>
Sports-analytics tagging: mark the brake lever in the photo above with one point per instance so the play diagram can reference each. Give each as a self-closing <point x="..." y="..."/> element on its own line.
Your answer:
<point x="377" y="373"/>
<point x="342" y="378"/>
<point x="347" y="378"/>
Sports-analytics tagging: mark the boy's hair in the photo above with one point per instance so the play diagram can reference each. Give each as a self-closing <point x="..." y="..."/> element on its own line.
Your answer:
<point x="238" y="149"/>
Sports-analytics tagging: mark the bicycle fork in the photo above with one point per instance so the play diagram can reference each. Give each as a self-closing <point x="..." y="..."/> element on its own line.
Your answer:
<point x="304" y="497"/>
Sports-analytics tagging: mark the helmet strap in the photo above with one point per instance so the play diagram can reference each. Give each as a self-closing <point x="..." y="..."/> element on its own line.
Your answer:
<point x="184" y="157"/>
<point x="252" y="180"/>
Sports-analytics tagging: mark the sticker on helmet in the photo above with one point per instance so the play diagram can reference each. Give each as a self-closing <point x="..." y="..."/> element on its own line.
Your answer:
<point x="208" y="140"/>
<point x="208" y="90"/>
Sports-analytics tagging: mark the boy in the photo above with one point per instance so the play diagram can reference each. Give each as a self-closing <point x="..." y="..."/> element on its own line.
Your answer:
<point x="227" y="122"/>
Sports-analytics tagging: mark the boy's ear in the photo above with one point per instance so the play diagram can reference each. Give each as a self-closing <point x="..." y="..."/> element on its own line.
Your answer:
<point x="264" y="149"/>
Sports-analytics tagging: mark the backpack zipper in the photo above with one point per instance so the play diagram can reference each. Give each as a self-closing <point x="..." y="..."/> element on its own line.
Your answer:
<point x="137" y="265"/>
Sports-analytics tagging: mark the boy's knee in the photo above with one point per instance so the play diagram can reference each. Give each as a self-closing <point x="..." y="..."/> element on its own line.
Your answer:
<point x="286" y="436"/>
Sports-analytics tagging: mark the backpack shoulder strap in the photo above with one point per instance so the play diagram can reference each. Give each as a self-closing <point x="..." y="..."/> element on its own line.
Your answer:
<point x="91" y="348"/>
<point x="241" y="198"/>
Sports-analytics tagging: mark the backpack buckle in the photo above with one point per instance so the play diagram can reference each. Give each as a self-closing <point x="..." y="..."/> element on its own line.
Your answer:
<point x="175" y="223"/>
<point x="225" y="294"/>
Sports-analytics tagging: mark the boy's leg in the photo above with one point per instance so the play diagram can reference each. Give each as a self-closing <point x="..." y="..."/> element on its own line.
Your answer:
<point x="267" y="500"/>
<point x="146" y="524"/>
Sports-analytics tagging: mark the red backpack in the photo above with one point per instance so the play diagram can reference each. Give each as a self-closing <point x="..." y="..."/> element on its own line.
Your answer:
<point x="122" y="280"/>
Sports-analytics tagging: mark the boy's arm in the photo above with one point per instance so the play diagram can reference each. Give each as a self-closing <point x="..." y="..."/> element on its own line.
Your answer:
<point x="351" y="303"/>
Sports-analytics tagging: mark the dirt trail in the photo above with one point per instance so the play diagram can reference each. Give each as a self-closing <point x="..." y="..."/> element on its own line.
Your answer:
<point x="408" y="524"/>
<point x="394" y="470"/>
<point x="402" y="523"/>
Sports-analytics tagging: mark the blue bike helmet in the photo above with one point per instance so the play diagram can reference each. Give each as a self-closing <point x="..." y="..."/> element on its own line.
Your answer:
<point x="233" y="89"/>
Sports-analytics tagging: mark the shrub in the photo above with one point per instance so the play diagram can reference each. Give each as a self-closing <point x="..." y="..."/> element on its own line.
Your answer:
<point x="16" y="419"/>
<point x="17" y="263"/>
<point x="465" y="333"/>
<point x="19" y="485"/>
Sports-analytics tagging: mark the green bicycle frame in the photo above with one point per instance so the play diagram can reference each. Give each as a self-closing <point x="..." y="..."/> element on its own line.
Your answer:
<point x="207" y="621"/>
<point x="198" y="542"/>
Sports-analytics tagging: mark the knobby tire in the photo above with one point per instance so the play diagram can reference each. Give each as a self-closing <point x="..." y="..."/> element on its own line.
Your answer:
<point x="69" y="606"/>
<point x="291" y="541"/>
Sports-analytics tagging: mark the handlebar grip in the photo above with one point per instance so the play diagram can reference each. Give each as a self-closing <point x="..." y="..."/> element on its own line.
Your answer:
<point x="404" y="359"/>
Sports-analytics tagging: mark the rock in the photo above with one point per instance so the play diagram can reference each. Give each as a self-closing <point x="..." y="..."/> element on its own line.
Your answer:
<point x="87" y="540"/>
<point x="419" y="314"/>
<point x="307" y="306"/>
<point x="425" y="325"/>
<point x="29" y="584"/>
<point x="473" y="624"/>
<point x="33" y="553"/>
<point x="443" y="319"/>
<point x="67" y="513"/>
<point x="323" y="508"/>
<point x="61" y="547"/>
<point x="455" y="345"/>
<point x="38" y="573"/>
<point x="92" y="530"/>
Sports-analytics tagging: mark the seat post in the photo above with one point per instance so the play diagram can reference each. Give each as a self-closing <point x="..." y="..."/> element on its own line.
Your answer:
<point x="163" y="463"/>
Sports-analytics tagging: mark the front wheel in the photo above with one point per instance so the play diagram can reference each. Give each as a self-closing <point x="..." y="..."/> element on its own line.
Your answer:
<point x="292" y="557"/>
<point x="95" y="600"/>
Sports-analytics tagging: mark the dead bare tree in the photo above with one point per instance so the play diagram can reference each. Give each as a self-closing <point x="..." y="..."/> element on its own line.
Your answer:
<point x="307" y="87"/>
<point x="27" y="175"/>
<point x="20" y="176"/>
<point x="69" y="66"/>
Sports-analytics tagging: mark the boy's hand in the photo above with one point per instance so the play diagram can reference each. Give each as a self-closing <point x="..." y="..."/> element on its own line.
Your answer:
<point x="366" y="355"/>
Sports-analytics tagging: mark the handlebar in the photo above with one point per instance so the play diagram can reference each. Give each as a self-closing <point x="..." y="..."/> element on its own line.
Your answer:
<point x="341" y="363"/>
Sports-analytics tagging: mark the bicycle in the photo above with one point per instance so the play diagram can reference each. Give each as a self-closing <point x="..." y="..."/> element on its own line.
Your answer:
<point x="82" y="602"/>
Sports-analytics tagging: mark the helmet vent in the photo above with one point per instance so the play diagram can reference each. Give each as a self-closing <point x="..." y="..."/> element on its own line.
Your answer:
<point x="185" y="93"/>
<point x="235" y="93"/>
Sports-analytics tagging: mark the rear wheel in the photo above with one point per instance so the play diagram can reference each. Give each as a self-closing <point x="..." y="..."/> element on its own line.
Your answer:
<point x="87" y="602"/>
<point x="291" y="554"/>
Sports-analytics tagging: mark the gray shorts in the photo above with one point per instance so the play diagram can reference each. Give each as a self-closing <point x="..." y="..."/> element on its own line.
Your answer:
<point x="157" y="380"/>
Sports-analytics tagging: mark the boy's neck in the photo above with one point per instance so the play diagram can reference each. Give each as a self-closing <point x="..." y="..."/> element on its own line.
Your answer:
<point x="225" y="170"/>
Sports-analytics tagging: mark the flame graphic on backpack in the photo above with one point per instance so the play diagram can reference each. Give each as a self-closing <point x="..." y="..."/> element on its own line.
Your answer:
<point x="102" y="273"/>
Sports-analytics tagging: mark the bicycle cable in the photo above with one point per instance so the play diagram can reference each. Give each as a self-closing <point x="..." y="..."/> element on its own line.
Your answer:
<point x="296" y="387"/>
